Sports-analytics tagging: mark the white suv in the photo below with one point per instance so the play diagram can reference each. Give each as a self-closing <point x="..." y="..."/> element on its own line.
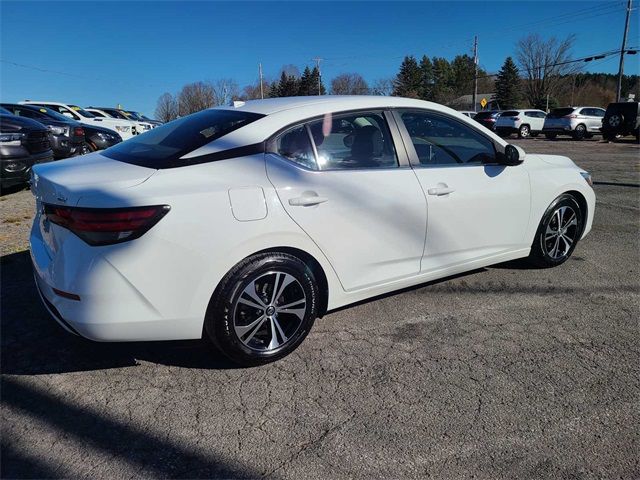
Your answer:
<point x="523" y="122"/>
<point x="577" y="122"/>
<point x="124" y="128"/>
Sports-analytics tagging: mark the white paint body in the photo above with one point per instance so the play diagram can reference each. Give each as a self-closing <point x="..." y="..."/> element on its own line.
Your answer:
<point x="531" y="117"/>
<point x="124" y="128"/>
<point x="378" y="231"/>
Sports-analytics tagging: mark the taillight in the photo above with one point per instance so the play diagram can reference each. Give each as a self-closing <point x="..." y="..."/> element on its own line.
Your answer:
<point x="106" y="226"/>
<point x="78" y="131"/>
<point x="571" y="116"/>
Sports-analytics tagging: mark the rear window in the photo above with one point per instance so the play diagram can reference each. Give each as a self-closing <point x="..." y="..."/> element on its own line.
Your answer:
<point x="163" y="146"/>
<point x="560" y="112"/>
<point x="511" y="113"/>
<point x="481" y="115"/>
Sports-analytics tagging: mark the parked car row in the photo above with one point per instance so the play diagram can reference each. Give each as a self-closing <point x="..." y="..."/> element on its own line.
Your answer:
<point x="619" y="119"/>
<point x="68" y="130"/>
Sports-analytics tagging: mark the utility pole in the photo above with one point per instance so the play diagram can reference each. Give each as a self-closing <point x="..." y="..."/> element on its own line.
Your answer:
<point x="318" y="60"/>
<point x="624" y="45"/>
<point x="261" y="87"/>
<point x="475" y="75"/>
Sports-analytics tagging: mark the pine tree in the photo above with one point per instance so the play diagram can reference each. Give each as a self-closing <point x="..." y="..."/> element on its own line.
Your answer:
<point x="408" y="82"/>
<point x="426" y="73"/>
<point x="287" y="86"/>
<point x="508" y="85"/>
<point x="315" y="79"/>
<point x="306" y="87"/>
<point x="443" y="80"/>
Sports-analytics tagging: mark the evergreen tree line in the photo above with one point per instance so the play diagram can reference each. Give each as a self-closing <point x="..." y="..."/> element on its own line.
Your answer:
<point x="540" y="75"/>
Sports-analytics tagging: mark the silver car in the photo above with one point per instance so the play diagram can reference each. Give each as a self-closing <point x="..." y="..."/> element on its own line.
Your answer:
<point x="576" y="122"/>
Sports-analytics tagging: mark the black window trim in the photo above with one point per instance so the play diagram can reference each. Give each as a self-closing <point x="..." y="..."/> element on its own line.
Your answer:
<point x="413" y="155"/>
<point x="396" y="138"/>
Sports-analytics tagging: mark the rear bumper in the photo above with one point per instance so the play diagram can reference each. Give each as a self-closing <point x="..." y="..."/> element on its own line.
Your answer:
<point x="558" y="130"/>
<point x="110" y="308"/>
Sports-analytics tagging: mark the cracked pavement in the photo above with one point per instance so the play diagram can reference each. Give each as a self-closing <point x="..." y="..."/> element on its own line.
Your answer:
<point x="504" y="372"/>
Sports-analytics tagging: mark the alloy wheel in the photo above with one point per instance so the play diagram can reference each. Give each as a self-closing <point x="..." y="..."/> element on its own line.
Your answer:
<point x="269" y="311"/>
<point x="561" y="233"/>
<point x="524" y="131"/>
<point x="614" y="120"/>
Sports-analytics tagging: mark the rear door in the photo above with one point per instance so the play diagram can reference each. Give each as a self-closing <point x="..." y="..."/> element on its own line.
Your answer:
<point x="343" y="180"/>
<point x="476" y="208"/>
<point x="535" y="119"/>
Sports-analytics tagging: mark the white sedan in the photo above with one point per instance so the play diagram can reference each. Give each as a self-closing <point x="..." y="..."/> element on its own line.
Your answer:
<point x="246" y="223"/>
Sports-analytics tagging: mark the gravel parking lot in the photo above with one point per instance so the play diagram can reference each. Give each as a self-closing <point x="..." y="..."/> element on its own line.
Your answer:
<point x="505" y="372"/>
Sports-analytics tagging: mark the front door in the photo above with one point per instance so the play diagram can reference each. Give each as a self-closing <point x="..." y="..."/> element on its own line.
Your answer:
<point x="476" y="208"/>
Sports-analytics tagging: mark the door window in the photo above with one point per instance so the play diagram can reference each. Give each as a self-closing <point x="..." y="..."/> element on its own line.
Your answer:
<point x="357" y="140"/>
<point x="295" y="145"/>
<point x="441" y="140"/>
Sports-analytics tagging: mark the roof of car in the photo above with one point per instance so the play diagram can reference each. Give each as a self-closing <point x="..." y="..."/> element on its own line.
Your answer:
<point x="269" y="106"/>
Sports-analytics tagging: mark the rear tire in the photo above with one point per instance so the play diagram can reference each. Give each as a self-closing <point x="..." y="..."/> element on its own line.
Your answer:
<point x="558" y="233"/>
<point x="580" y="132"/>
<point x="524" y="131"/>
<point x="247" y="319"/>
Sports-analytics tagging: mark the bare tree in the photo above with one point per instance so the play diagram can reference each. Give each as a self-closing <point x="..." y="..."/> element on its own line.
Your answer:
<point x="543" y="63"/>
<point x="349" y="84"/>
<point x="195" y="97"/>
<point x="166" y="108"/>
<point x="383" y="86"/>
<point x="225" y="90"/>
<point x="252" y="92"/>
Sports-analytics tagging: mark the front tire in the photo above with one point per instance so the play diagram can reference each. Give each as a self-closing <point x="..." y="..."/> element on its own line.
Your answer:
<point x="558" y="232"/>
<point x="263" y="309"/>
<point x="524" y="131"/>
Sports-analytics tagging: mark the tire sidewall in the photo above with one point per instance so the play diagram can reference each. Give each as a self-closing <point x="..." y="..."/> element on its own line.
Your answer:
<point x="580" y="132"/>
<point x="539" y="249"/>
<point x="524" y="131"/>
<point x="219" y="321"/>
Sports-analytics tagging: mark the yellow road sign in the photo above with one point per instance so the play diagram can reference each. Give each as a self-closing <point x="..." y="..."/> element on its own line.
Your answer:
<point x="483" y="102"/>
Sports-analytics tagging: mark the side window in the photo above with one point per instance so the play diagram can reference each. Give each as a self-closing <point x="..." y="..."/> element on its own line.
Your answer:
<point x="440" y="140"/>
<point x="64" y="111"/>
<point x="531" y="114"/>
<point x="585" y="111"/>
<point x="27" y="113"/>
<point x="295" y="145"/>
<point x="357" y="140"/>
<point x="598" y="112"/>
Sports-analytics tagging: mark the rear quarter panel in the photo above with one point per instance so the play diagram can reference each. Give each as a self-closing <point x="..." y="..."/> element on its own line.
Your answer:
<point x="180" y="261"/>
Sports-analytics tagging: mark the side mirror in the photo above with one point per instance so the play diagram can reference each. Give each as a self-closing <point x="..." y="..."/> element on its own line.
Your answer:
<point x="513" y="155"/>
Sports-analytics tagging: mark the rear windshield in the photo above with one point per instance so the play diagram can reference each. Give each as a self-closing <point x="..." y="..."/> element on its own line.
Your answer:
<point x="511" y="113"/>
<point x="560" y="112"/>
<point x="163" y="146"/>
<point x="482" y="115"/>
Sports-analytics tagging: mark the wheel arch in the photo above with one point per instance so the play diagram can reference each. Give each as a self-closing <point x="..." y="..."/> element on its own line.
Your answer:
<point x="315" y="266"/>
<point x="584" y="206"/>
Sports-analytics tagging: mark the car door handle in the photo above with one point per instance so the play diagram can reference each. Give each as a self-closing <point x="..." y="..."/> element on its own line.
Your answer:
<point x="307" y="200"/>
<point x="440" y="191"/>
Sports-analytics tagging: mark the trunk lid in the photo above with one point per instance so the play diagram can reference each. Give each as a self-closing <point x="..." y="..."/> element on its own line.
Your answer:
<point x="66" y="181"/>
